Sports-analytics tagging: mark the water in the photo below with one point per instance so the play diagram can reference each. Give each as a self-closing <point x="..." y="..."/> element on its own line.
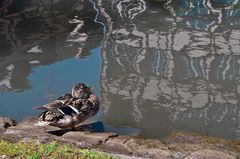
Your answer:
<point x="156" y="66"/>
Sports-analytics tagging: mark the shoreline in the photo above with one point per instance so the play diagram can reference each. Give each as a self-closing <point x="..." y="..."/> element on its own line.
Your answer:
<point x="179" y="144"/>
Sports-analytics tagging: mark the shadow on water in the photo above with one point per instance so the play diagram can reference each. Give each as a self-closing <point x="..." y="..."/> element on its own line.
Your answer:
<point x="98" y="127"/>
<point x="156" y="66"/>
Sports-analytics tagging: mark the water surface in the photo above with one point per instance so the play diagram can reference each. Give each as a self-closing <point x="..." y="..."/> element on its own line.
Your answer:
<point x="156" y="66"/>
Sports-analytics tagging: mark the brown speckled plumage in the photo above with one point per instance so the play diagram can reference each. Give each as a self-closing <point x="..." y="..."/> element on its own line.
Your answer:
<point x="82" y="102"/>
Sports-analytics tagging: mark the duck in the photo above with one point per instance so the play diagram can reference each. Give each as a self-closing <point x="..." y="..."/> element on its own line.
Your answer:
<point x="70" y="109"/>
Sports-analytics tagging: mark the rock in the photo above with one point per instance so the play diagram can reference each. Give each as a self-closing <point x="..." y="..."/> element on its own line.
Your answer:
<point x="6" y="122"/>
<point x="2" y="130"/>
<point x="148" y="148"/>
<point x="186" y="143"/>
<point x="88" y="139"/>
<point x="117" y="145"/>
<point x="29" y="120"/>
<point x="132" y="145"/>
<point x="207" y="153"/>
<point x="21" y="131"/>
<point x="184" y="137"/>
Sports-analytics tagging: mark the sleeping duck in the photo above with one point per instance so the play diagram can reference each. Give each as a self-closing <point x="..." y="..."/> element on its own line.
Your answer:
<point x="71" y="109"/>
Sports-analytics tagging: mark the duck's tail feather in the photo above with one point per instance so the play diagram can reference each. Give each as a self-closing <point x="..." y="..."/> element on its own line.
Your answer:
<point x="40" y="107"/>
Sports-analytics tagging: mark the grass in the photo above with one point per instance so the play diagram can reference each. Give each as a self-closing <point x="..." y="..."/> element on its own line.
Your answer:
<point x="52" y="150"/>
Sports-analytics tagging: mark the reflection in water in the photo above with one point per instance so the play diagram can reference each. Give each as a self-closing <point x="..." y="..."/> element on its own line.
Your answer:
<point x="165" y="72"/>
<point x="164" y="66"/>
<point x="34" y="33"/>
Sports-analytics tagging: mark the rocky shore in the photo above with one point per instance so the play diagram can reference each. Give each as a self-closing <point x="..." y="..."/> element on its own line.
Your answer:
<point x="177" y="146"/>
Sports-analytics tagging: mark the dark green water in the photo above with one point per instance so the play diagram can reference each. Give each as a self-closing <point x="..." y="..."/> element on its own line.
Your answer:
<point x="156" y="66"/>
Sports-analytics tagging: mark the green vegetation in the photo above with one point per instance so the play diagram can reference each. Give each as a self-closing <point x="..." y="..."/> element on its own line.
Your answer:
<point x="33" y="150"/>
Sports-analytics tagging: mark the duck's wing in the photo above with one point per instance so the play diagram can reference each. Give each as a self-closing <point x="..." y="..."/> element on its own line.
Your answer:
<point x="50" y="106"/>
<point x="87" y="108"/>
<point x="47" y="117"/>
<point x="70" y="107"/>
<point x="68" y="110"/>
<point x="66" y="98"/>
<point x="94" y="99"/>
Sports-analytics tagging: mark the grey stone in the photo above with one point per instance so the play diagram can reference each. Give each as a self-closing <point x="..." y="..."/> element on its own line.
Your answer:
<point x="21" y="131"/>
<point x="117" y="145"/>
<point x="2" y="130"/>
<point x="88" y="138"/>
<point x="211" y="154"/>
<point x="29" y="120"/>
<point x="132" y="145"/>
<point x="148" y="148"/>
<point x="6" y="122"/>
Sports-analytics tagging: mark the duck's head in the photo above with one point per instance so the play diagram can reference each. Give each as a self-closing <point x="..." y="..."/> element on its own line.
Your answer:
<point x="80" y="90"/>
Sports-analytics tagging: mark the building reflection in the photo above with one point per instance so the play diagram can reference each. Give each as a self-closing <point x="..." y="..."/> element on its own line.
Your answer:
<point x="172" y="68"/>
<point x="34" y="32"/>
